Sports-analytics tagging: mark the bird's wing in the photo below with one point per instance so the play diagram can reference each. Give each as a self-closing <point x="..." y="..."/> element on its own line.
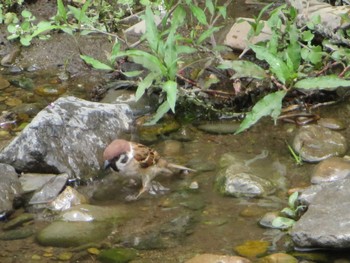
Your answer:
<point x="145" y="155"/>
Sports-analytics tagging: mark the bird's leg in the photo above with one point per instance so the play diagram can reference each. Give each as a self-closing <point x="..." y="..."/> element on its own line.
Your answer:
<point x="146" y="185"/>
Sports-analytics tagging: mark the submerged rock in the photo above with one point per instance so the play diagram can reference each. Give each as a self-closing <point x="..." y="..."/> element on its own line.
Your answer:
<point x="223" y="127"/>
<point x="10" y="188"/>
<point x="67" y="199"/>
<point x="325" y="224"/>
<point x="331" y="169"/>
<point x="234" y="182"/>
<point x="68" y="136"/>
<point x="71" y="234"/>
<point x="278" y="257"/>
<point x="212" y="258"/>
<point x="50" y="190"/>
<point x="117" y="255"/>
<point x="315" y="143"/>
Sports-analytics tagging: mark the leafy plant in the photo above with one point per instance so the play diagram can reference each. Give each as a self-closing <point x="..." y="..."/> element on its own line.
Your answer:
<point x="289" y="214"/>
<point x="297" y="158"/>
<point x="291" y="57"/>
<point x="166" y="51"/>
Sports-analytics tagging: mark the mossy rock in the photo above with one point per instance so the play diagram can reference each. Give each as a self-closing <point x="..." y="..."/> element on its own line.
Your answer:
<point x="117" y="255"/>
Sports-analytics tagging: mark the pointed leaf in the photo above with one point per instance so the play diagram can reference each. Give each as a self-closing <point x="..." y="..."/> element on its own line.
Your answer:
<point x="61" y="10"/>
<point x="209" y="4"/>
<point x="199" y="14"/>
<point x="244" y="69"/>
<point x="144" y="84"/>
<point x="207" y="33"/>
<point x="283" y="222"/>
<point x="277" y="65"/>
<point x="147" y="60"/>
<point x="96" y="63"/>
<point x="161" y="111"/>
<point x="170" y="87"/>
<point x="151" y="34"/>
<point x="269" y="105"/>
<point x="330" y="82"/>
<point x="293" y="199"/>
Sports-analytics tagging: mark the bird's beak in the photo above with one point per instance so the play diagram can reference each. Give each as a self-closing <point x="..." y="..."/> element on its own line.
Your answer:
<point x="106" y="165"/>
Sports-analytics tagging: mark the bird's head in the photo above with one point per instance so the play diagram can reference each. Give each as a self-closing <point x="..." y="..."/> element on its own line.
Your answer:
<point x="116" y="153"/>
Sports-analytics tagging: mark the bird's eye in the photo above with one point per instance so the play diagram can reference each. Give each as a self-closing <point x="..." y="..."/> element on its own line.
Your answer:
<point x="123" y="158"/>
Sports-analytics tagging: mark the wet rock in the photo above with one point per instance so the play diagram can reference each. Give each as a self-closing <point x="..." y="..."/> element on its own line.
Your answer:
<point x="149" y="133"/>
<point x="67" y="199"/>
<point x="331" y="169"/>
<point x="49" y="191"/>
<point x="18" y="221"/>
<point x="68" y="136"/>
<point x="325" y="224"/>
<point x="331" y="123"/>
<point x="72" y="234"/>
<point x="278" y="257"/>
<point x="235" y="182"/>
<point x="267" y="219"/>
<point x="50" y="90"/>
<point x="31" y="182"/>
<point x="4" y="83"/>
<point x="315" y="143"/>
<point x="212" y="258"/>
<point x="117" y="255"/>
<point x="20" y="233"/>
<point x="10" y="188"/>
<point x="12" y="102"/>
<point x="141" y="107"/>
<point x="87" y="213"/>
<point x="30" y="109"/>
<point x="10" y="58"/>
<point x="223" y="127"/>
<point x="252" y="248"/>
<point x="168" y="234"/>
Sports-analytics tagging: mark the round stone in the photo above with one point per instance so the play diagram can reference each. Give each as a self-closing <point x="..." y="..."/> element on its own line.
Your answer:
<point x="315" y="143"/>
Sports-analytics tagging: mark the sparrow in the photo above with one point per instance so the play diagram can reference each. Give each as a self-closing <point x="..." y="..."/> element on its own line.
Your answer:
<point x="137" y="161"/>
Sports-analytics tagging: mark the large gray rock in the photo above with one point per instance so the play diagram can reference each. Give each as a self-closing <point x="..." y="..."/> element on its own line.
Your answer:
<point x="315" y="143"/>
<point x="10" y="188"/>
<point x="68" y="136"/>
<point x="326" y="222"/>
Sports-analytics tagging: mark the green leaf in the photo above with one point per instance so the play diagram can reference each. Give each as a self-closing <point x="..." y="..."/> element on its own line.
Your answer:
<point x="12" y="28"/>
<point x="271" y="105"/>
<point x="26" y="13"/>
<point x="61" y="10"/>
<point x="289" y="212"/>
<point x="147" y="60"/>
<point x="185" y="49"/>
<point x="170" y="87"/>
<point x="307" y="35"/>
<point x="207" y="33"/>
<point x="151" y="33"/>
<point x="245" y="69"/>
<point x="330" y="82"/>
<point x="161" y="111"/>
<point x="96" y="63"/>
<point x="283" y="222"/>
<point x="178" y="17"/>
<point x="209" y="4"/>
<point x="144" y="85"/>
<point x="131" y="74"/>
<point x="25" y="40"/>
<point x="312" y="54"/>
<point x="223" y="11"/>
<point x="277" y="65"/>
<point x="292" y="200"/>
<point x="199" y="14"/>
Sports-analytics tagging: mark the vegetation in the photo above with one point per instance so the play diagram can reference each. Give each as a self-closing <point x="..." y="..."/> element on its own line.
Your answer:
<point x="290" y="214"/>
<point x="295" y="59"/>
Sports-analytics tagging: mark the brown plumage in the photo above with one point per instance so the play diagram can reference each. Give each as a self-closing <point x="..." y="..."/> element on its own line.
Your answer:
<point x="135" y="160"/>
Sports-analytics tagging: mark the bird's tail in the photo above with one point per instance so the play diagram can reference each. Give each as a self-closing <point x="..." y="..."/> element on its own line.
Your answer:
<point x="180" y="167"/>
